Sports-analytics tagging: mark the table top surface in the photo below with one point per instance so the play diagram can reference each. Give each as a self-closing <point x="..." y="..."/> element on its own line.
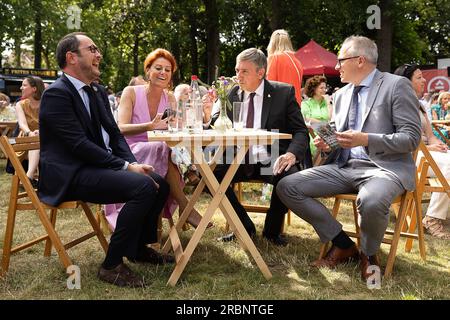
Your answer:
<point x="8" y="123"/>
<point x="215" y="137"/>
<point x="440" y="121"/>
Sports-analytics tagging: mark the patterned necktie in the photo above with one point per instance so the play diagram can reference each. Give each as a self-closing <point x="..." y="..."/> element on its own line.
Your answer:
<point x="251" y="111"/>
<point x="248" y="168"/>
<point x="95" y="118"/>
<point x="351" y="124"/>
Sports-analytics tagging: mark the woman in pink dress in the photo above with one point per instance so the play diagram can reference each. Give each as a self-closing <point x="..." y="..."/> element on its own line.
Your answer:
<point x="140" y="110"/>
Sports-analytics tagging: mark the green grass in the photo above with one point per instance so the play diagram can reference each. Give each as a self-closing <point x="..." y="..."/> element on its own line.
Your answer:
<point x="218" y="270"/>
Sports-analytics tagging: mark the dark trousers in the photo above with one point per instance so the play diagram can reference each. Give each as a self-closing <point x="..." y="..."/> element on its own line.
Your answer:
<point x="277" y="210"/>
<point x="138" y="220"/>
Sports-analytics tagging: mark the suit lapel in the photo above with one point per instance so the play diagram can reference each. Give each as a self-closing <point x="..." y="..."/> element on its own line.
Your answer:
<point x="267" y="102"/>
<point x="105" y="120"/>
<point x="79" y="109"/>
<point x="373" y="92"/>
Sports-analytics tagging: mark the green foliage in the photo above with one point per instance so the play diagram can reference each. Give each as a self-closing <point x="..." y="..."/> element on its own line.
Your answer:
<point x="126" y="31"/>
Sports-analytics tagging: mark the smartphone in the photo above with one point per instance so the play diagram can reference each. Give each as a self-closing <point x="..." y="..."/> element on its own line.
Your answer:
<point x="327" y="133"/>
<point x="167" y="113"/>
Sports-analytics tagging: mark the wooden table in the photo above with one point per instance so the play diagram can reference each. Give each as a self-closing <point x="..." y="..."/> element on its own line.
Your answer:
<point x="7" y="127"/>
<point x="195" y="143"/>
<point x="436" y="123"/>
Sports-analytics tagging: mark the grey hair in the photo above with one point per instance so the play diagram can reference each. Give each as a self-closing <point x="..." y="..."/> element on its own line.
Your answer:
<point x="362" y="46"/>
<point x="254" y="55"/>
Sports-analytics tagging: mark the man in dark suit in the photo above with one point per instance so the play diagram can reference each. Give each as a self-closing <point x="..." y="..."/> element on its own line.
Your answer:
<point x="85" y="157"/>
<point x="271" y="106"/>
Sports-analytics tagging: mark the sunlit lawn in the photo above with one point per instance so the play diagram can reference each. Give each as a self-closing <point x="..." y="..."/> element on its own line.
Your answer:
<point x="218" y="270"/>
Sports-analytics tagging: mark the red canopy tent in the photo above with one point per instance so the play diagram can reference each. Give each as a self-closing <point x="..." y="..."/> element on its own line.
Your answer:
<point x="317" y="60"/>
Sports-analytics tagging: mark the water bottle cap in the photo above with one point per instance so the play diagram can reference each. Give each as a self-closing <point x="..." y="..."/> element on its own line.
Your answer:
<point x="194" y="77"/>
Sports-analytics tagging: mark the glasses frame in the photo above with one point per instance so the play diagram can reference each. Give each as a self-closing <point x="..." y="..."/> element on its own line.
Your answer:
<point x="339" y="61"/>
<point x="92" y="48"/>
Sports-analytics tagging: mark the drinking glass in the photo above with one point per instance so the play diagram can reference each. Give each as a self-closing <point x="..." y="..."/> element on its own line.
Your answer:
<point x="238" y="115"/>
<point x="173" y="116"/>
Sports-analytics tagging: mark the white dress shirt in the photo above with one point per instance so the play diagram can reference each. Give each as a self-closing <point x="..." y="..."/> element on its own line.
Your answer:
<point x="84" y="96"/>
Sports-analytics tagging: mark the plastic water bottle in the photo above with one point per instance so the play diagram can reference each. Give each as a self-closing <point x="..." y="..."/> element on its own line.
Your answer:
<point x="194" y="108"/>
<point x="266" y="192"/>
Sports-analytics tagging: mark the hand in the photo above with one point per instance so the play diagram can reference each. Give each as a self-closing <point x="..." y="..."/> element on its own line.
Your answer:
<point x="33" y="133"/>
<point x="144" y="169"/>
<point x="157" y="122"/>
<point x="349" y="139"/>
<point x="140" y="168"/>
<point x="208" y="102"/>
<point x="321" y="145"/>
<point x="438" y="147"/>
<point x="284" y="162"/>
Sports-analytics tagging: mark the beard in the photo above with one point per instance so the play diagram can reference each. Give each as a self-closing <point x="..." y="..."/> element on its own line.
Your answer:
<point x="92" y="73"/>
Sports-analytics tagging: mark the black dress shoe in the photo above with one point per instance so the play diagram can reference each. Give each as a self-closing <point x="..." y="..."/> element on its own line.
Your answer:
<point x="149" y="255"/>
<point x="231" y="236"/>
<point x="277" y="240"/>
<point x="34" y="183"/>
<point x="227" y="238"/>
<point x="121" y="276"/>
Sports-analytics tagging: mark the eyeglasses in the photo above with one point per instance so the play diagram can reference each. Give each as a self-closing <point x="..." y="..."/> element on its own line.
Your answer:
<point x="92" y="48"/>
<point x="339" y="61"/>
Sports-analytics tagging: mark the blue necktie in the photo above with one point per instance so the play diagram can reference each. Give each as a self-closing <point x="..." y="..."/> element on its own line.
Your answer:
<point x="95" y="118"/>
<point x="352" y="120"/>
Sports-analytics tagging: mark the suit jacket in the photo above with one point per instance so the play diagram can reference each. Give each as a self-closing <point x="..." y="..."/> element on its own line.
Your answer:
<point x="280" y="111"/>
<point x="392" y="121"/>
<point x="66" y="139"/>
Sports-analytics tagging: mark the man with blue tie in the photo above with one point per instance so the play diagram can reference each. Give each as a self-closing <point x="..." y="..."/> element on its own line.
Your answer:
<point x="85" y="157"/>
<point x="378" y="128"/>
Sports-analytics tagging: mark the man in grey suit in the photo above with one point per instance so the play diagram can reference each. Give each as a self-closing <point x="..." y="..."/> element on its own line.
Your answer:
<point x="378" y="127"/>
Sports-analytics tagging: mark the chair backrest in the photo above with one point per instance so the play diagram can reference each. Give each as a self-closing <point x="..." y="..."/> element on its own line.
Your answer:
<point x="7" y="127"/>
<point x="11" y="146"/>
<point x="440" y="184"/>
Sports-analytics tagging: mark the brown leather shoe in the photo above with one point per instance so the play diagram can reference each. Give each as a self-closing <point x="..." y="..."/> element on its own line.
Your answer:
<point x="336" y="256"/>
<point x="365" y="262"/>
<point x="121" y="276"/>
<point x="149" y="255"/>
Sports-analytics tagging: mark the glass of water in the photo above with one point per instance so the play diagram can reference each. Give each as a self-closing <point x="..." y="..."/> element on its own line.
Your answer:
<point x="238" y="115"/>
<point x="173" y="116"/>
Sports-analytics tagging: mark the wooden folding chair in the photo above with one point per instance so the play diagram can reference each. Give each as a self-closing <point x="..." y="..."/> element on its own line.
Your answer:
<point x="30" y="201"/>
<point x="7" y="127"/>
<point x="410" y="206"/>
<point x="426" y="184"/>
<point x="256" y="208"/>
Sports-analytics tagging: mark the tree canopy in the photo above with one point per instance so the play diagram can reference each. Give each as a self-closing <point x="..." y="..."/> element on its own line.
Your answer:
<point x="206" y="35"/>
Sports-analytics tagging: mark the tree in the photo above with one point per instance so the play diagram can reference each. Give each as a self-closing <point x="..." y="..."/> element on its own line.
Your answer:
<point x="212" y="44"/>
<point x="36" y="7"/>
<point x="384" y="36"/>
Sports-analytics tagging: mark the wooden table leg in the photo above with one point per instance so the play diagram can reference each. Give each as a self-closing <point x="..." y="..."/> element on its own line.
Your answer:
<point x="230" y="214"/>
<point x="219" y="199"/>
<point x="192" y="201"/>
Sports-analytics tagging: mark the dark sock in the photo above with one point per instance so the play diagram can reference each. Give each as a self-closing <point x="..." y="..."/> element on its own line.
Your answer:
<point x="110" y="264"/>
<point x="342" y="241"/>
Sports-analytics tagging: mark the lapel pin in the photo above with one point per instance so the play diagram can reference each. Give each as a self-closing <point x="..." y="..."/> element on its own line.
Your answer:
<point x="95" y="89"/>
<point x="268" y="96"/>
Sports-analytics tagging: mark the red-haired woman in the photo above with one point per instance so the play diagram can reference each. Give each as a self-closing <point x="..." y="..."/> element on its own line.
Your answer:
<point x="140" y="110"/>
